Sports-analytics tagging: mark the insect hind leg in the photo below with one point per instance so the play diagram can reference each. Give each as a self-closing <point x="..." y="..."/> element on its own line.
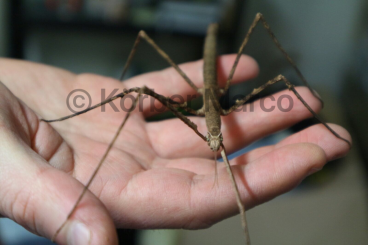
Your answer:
<point x="291" y="87"/>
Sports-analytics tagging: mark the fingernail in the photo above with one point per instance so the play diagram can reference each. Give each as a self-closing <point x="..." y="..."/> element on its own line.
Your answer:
<point x="313" y="170"/>
<point x="78" y="234"/>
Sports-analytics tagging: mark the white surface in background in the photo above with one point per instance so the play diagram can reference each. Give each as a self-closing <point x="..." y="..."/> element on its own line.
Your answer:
<point x="12" y="233"/>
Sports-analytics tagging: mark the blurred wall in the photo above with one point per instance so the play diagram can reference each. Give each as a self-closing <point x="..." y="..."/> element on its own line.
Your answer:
<point x="318" y="34"/>
<point x="4" y="30"/>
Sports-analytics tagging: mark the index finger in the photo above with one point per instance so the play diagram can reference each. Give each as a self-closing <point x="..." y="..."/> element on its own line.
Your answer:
<point x="168" y="82"/>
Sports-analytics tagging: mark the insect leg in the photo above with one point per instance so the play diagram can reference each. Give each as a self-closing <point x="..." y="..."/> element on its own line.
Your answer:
<point x="98" y="167"/>
<point x="144" y="90"/>
<point x="291" y="87"/>
<point x="143" y="34"/>
<point x="121" y="95"/>
<point x="259" y="18"/>
<point x="165" y="102"/>
<point x="238" y="199"/>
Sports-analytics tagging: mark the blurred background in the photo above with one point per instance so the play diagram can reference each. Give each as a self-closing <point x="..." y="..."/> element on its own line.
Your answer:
<point x="328" y="41"/>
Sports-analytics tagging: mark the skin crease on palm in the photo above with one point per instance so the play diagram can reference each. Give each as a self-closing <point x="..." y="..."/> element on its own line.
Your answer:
<point x="158" y="174"/>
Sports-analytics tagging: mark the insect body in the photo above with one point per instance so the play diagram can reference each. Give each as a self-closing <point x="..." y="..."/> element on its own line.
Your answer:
<point x="211" y="90"/>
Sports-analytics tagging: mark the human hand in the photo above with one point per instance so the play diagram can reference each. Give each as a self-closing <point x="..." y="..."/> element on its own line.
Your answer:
<point x="158" y="174"/>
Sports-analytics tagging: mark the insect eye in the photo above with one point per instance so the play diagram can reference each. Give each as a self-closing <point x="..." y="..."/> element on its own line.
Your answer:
<point x="208" y="137"/>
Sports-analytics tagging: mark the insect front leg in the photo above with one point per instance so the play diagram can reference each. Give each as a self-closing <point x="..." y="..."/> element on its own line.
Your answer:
<point x="143" y="34"/>
<point x="260" y="18"/>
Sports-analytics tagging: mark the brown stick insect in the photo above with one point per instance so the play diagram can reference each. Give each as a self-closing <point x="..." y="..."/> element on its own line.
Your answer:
<point x="211" y="108"/>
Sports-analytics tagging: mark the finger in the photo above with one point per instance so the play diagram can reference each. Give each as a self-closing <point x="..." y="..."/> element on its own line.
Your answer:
<point x="168" y="82"/>
<point x="172" y="138"/>
<point x="50" y="85"/>
<point x="269" y="176"/>
<point x="317" y="134"/>
<point x="94" y="89"/>
<point x="270" y="115"/>
<point x="199" y="205"/>
<point x="39" y="197"/>
<point x="55" y="88"/>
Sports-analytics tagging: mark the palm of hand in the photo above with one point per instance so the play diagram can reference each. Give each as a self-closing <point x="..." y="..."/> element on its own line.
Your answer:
<point x="137" y="171"/>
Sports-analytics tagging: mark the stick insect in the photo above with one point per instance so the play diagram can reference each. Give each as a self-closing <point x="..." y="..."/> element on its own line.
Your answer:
<point x="211" y="108"/>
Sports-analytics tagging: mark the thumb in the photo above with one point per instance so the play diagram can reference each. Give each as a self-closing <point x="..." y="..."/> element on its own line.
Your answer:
<point x="40" y="197"/>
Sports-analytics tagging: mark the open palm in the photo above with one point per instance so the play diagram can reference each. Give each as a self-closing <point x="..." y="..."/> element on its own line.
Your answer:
<point x="158" y="174"/>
